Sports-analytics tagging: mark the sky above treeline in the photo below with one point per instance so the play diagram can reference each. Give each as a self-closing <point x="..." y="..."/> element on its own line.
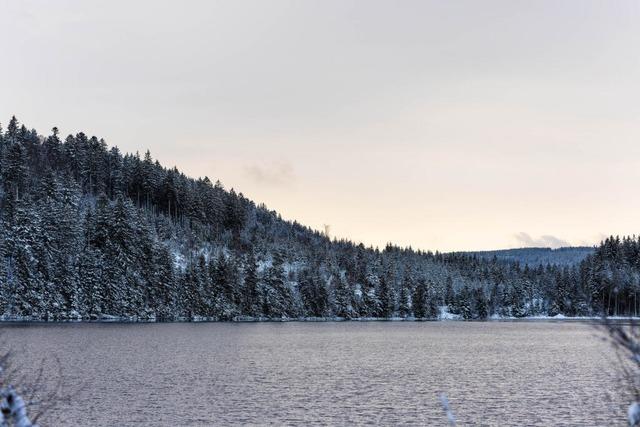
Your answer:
<point x="442" y="125"/>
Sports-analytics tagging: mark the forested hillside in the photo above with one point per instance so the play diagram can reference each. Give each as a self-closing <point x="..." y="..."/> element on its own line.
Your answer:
<point x="533" y="257"/>
<point x="87" y="232"/>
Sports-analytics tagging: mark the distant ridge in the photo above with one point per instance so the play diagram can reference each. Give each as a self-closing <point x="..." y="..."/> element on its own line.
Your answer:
<point x="567" y="256"/>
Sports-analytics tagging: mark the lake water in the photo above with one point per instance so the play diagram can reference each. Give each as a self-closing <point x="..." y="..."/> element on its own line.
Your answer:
<point x="383" y="373"/>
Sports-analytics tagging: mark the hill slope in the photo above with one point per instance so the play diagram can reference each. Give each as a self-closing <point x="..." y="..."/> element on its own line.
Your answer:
<point x="87" y="231"/>
<point x="533" y="257"/>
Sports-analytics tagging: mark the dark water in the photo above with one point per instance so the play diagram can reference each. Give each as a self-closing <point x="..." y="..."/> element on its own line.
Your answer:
<point x="382" y="373"/>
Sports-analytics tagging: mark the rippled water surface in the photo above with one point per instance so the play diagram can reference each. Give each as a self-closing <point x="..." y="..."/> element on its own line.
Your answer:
<point x="387" y="373"/>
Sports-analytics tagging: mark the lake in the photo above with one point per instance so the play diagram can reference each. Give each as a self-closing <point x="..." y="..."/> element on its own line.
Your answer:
<point x="336" y="373"/>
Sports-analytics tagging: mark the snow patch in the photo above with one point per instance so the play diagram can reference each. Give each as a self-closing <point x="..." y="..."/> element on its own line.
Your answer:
<point x="446" y="315"/>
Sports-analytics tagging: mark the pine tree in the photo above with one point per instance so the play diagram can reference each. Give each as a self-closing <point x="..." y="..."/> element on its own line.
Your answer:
<point x="223" y="282"/>
<point x="277" y="293"/>
<point x="480" y="304"/>
<point x="27" y="289"/>
<point x="419" y="300"/>
<point x="449" y="298"/>
<point x="91" y="283"/>
<point x="15" y="170"/>
<point x="250" y="295"/>
<point x="189" y="292"/>
<point x="495" y="301"/>
<point x="51" y="147"/>
<point x="342" y="298"/>
<point x="149" y="179"/>
<point x="162" y="285"/>
<point x="313" y="293"/>
<point x="385" y="297"/>
<point x="203" y="305"/>
<point x="432" y="309"/>
<point x="518" y="308"/>
<point x="369" y="303"/>
<point x="4" y="273"/>
<point x="12" y="129"/>
<point x="404" y="308"/>
<point x="464" y="303"/>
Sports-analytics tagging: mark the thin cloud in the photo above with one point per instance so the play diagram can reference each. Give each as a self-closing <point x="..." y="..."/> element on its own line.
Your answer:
<point x="276" y="174"/>
<point x="545" y="241"/>
<point x="594" y="241"/>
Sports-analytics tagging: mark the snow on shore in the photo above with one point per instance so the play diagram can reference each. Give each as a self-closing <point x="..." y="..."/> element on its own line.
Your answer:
<point x="444" y="316"/>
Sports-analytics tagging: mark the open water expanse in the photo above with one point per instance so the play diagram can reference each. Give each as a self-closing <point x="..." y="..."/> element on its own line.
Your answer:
<point x="333" y="373"/>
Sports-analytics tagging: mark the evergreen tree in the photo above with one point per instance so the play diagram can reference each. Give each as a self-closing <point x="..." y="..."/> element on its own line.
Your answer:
<point x="342" y="299"/>
<point x="404" y="307"/>
<point x="480" y="304"/>
<point x="314" y="294"/>
<point x="15" y="170"/>
<point x="449" y="298"/>
<point x="385" y="297"/>
<point x="419" y="300"/>
<point x="277" y="293"/>
<point x="432" y="309"/>
<point x="91" y="283"/>
<point x="162" y="285"/>
<point x="250" y="293"/>
<point x="223" y="285"/>
<point x="464" y="303"/>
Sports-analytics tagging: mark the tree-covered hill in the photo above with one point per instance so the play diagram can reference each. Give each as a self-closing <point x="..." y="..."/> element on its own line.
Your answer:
<point x="87" y="231"/>
<point x="568" y="256"/>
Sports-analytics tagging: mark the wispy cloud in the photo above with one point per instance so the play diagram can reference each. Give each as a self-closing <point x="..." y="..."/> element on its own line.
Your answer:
<point x="595" y="240"/>
<point x="275" y="174"/>
<point x="544" y="241"/>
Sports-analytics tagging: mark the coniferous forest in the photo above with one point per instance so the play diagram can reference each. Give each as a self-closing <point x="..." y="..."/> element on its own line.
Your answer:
<point x="88" y="232"/>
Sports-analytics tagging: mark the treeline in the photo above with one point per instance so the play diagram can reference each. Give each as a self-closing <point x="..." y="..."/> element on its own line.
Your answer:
<point x="533" y="257"/>
<point x="87" y="232"/>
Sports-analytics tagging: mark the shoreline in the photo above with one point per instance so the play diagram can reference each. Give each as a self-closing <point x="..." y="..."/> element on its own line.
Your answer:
<point x="244" y="319"/>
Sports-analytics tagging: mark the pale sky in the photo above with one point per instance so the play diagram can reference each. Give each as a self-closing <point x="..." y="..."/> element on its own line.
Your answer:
<point x="448" y="125"/>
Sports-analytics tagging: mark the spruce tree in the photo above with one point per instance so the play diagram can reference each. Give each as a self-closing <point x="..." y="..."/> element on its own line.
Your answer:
<point x="385" y="297"/>
<point x="164" y="291"/>
<point x="464" y="303"/>
<point x="276" y="282"/>
<point x="419" y="300"/>
<point x="404" y="308"/>
<point x="313" y="293"/>
<point x="480" y="304"/>
<point x="342" y="298"/>
<point x="432" y="310"/>
<point x="449" y="298"/>
<point x="250" y="295"/>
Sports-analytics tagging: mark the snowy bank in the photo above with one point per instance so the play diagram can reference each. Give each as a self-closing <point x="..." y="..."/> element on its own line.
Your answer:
<point x="444" y="316"/>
